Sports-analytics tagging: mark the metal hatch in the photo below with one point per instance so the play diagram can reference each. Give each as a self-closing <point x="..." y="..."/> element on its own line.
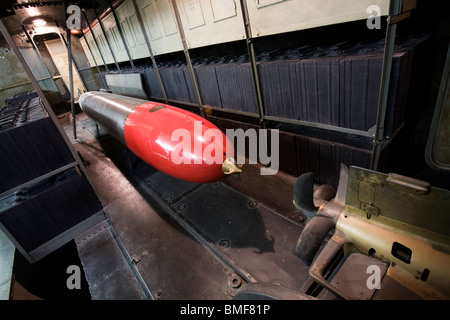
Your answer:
<point x="437" y="153"/>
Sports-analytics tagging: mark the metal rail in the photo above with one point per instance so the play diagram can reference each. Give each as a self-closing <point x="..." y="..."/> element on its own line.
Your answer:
<point x="188" y="59"/>
<point x="119" y="27"/>
<point x="252" y="57"/>
<point x="95" y="40"/>
<point x="107" y="39"/>
<point x="149" y="47"/>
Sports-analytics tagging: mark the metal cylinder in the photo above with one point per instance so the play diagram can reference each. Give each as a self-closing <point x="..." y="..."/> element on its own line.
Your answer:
<point x="172" y="140"/>
<point x="109" y="110"/>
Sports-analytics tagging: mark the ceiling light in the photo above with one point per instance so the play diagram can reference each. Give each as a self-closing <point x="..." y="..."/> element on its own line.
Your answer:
<point x="75" y="31"/>
<point x="39" y="22"/>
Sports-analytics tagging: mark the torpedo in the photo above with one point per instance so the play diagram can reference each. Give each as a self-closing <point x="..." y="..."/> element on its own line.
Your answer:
<point x="170" y="139"/>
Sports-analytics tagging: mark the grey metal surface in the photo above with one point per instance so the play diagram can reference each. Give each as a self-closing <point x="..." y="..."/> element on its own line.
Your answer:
<point x="106" y="270"/>
<point x="352" y="276"/>
<point x="171" y="262"/>
<point x="6" y="265"/>
<point x="110" y="110"/>
<point x="129" y="84"/>
<point x="257" y="238"/>
<point x="254" y="240"/>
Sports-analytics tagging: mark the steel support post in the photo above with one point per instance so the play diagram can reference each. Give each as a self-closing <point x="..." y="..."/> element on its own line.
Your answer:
<point x="90" y="52"/>
<point x="188" y="58"/>
<point x="72" y="104"/>
<point x="394" y="9"/>
<point x="61" y="36"/>
<point x="149" y="46"/>
<point x="252" y="57"/>
<point x="107" y="39"/>
<point x="35" y="48"/>
<point x="119" y="27"/>
<point x="95" y="40"/>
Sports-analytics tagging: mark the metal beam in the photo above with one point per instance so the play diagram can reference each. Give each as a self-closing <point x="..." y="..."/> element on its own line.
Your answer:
<point x="395" y="9"/>
<point x="72" y="104"/>
<point x="107" y="39"/>
<point x="119" y="27"/>
<point x="252" y="57"/>
<point x="36" y="50"/>
<point x="91" y="52"/>
<point x="188" y="58"/>
<point x="61" y="36"/>
<point x="95" y="40"/>
<point x="149" y="46"/>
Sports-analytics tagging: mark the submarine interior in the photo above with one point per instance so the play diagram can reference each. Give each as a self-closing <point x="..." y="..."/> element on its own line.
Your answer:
<point x="337" y="186"/>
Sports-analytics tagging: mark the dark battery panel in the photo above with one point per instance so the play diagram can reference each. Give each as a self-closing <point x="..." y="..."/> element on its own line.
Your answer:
<point x="174" y="81"/>
<point x="360" y="78"/>
<point x="191" y="96"/>
<point x="152" y="84"/>
<point x="280" y="89"/>
<point x="208" y="85"/>
<point x="323" y="158"/>
<point x="237" y="90"/>
<point x="30" y="151"/>
<point x="320" y="87"/>
<point x="39" y="219"/>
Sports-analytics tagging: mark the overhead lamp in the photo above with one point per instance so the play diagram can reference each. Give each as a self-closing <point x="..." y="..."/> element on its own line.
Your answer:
<point x="75" y="31"/>
<point x="39" y="22"/>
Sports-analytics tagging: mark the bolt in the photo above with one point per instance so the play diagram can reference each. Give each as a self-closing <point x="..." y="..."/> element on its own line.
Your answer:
<point x="224" y="243"/>
<point x="298" y="217"/>
<point x="168" y="196"/>
<point x="252" y="204"/>
<point x="235" y="281"/>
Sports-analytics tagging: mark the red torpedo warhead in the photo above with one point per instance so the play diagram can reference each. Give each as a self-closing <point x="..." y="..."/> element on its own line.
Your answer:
<point x="172" y="140"/>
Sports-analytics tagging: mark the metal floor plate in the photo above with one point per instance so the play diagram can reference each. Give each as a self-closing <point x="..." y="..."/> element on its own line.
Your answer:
<point x="258" y="242"/>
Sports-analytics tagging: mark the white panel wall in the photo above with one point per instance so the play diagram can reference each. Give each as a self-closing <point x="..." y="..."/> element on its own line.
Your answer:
<point x="209" y="22"/>
<point x="103" y="45"/>
<point x="133" y="34"/>
<point x="90" y="39"/>
<point x="86" y="50"/>
<point x="161" y="26"/>
<point x="278" y="16"/>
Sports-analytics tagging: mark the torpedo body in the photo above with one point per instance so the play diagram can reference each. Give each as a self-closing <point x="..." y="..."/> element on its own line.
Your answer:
<point x="172" y="140"/>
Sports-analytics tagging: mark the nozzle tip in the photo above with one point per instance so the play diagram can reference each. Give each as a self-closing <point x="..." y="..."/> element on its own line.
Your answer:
<point x="230" y="166"/>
